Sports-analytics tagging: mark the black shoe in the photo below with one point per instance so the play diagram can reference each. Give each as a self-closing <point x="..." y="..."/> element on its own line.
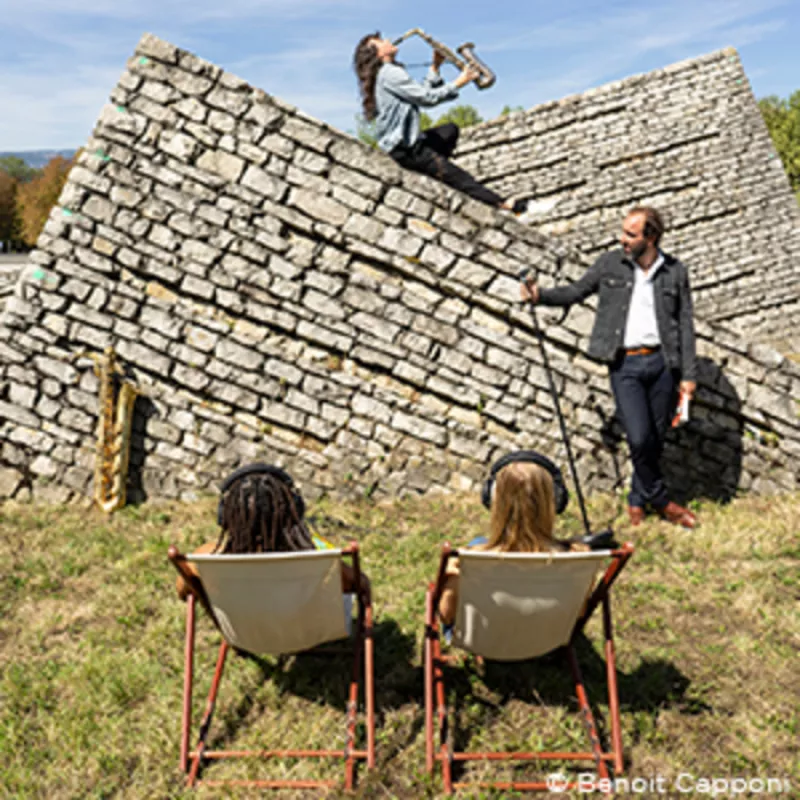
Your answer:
<point x="519" y="207"/>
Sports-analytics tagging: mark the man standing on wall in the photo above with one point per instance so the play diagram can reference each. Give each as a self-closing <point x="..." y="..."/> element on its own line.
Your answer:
<point x="644" y="331"/>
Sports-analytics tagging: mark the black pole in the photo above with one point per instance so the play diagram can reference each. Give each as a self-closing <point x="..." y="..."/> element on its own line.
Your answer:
<point x="557" y="403"/>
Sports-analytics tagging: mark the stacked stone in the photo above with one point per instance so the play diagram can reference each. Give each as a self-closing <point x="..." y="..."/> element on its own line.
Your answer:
<point x="689" y="139"/>
<point x="281" y="292"/>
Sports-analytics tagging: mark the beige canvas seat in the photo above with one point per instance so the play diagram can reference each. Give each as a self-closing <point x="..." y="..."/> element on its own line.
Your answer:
<point x="277" y="604"/>
<point x="513" y="607"/>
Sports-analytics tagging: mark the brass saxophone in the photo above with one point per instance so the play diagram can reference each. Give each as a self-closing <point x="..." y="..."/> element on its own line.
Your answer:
<point x="486" y="77"/>
<point x="114" y="425"/>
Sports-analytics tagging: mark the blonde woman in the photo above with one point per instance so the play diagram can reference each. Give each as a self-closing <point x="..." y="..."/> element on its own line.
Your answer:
<point x="523" y="509"/>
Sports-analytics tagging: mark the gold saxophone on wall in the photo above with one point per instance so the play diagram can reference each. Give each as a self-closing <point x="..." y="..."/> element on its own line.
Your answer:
<point x="115" y="419"/>
<point x="486" y="77"/>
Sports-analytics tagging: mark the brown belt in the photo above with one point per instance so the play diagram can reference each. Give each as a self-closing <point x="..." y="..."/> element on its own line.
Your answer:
<point x="641" y="351"/>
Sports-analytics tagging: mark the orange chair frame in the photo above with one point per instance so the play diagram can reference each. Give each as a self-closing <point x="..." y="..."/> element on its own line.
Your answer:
<point x="435" y="703"/>
<point x="192" y="760"/>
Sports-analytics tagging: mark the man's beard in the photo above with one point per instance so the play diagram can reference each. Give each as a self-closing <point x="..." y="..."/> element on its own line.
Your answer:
<point x="638" y="250"/>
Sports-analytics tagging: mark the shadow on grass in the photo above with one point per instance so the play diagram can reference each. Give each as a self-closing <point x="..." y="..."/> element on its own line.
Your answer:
<point x="547" y="683"/>
<point x="323" y="675"/>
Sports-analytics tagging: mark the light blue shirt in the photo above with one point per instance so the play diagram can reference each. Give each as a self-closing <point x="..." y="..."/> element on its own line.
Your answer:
<point x="641" y="328"/>
<point x="398" y="98"/>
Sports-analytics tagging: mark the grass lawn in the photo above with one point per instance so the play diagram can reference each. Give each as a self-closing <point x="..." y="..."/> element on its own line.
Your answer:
<point x="91" y="653"/>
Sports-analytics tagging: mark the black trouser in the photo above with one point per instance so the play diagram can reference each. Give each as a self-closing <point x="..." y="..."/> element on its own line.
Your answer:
<point x="429" y="155"/>
<point x="644" y="388"/>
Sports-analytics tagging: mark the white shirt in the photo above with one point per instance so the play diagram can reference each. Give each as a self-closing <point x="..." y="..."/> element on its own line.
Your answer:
<point x="641" y="328"/>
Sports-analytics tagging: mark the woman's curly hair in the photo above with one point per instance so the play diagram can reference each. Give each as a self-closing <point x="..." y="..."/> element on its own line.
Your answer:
<point x="366" y="64"/>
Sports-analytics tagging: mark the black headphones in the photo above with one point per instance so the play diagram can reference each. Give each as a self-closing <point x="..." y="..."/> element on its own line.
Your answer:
<point x="260" y="469"/>
<point x="560" y="492"/>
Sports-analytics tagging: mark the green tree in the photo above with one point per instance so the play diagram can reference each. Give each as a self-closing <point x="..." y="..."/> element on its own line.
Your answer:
<point x="463" y="116"/>
<point x="783" y="121"/>
<point x="510" y="110"/>
<point x="425" y="121"/>
<point x="17" y="169"/>
<point x="9" y="216"/>
<point x="365" y="131"/>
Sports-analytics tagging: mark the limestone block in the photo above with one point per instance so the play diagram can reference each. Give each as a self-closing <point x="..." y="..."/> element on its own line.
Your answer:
<point x="471" y="274"/>
<point x="310" y="135"/>
<point x="282" y="414"/>
<point x="263" y="184"/>
<point x="419" y="428"/>
<point x="263" y="114"/>
<point x="437" y="258"/>
<point x="410" y="373"/>
<point x="76" y="420"/>
<point x="325" y="283"/>
<point x="764" y="355"/>
<point x="322" y="304"/>
<point x="62" y="371"/>
<point x="152" y="46"/>
<point x="190" y="376"/>
<point x="369" y="230"/>
<point x="232" y="102"/>
<point x="44" y="467"/>
<point x="469" y="448"/>
<point x="195" y="86"/>
<point x="772" y="403"/>
<point x="199" y="251"/>
<point x="372" y="357"/>
<point x="325" y="431"/>
<point x="98" y="208"/>
<point x="243" y="357"/>
<point x="144" y="357"/>
<point x="324" y="209"/>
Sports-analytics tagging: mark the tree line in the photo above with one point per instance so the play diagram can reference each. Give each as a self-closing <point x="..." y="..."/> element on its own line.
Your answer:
<point x="26" y="197"/>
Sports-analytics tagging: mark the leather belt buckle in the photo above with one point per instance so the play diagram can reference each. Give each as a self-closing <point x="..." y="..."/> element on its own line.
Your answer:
<point x="641" y="351"/>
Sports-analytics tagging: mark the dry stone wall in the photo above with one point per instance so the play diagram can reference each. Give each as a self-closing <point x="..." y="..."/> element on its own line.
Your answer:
<point x="688" y="139"/>
<point x="279" y="291"/>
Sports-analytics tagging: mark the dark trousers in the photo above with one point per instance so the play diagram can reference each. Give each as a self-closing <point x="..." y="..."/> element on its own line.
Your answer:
<point x="644" y="389"/>
<point x="430" y="155"/>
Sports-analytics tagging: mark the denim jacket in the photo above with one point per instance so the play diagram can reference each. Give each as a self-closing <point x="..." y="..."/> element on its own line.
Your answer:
<point x="611" y="276"/>
<point x="399" y="98"/>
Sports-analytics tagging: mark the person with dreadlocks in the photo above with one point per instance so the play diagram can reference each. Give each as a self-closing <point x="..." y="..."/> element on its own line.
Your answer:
<point x="260" y="511"/>
<point x="392" y="99"/>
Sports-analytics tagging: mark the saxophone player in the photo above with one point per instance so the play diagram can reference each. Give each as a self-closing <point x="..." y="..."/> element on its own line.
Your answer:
<point x="392" y="99"/>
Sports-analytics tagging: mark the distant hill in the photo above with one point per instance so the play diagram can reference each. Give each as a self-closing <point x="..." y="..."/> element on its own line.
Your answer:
<point x="38" y="158"/>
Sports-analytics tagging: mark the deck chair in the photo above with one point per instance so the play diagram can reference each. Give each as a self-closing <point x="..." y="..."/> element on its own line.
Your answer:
<point x="512" y="607"/>
<point x="276" y="604"/>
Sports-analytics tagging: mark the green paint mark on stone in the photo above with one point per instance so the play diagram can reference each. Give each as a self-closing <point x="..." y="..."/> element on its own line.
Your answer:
<point x="122" y="109"/>
<point x="39" y="274"/>
<point x="739" y="81"/>
<point x="66" y="212"/>
<point x="144" y="60"/>
<point x="102" y="155"/>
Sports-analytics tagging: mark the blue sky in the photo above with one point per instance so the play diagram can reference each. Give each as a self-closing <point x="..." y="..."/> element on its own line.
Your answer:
<point x="60" y="58"/>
